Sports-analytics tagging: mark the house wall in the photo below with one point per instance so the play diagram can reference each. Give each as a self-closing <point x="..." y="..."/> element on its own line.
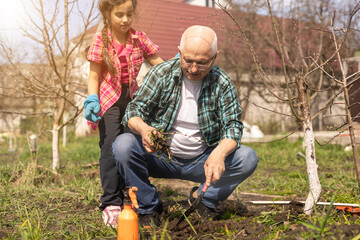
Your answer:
<point x="270" y="113"/>
<point x="145" y="67"/>
<point x="354" y="94"/>
<point x="203" y="2"/>
<point x="12" y="101"/>
<point x="9" y="123"/>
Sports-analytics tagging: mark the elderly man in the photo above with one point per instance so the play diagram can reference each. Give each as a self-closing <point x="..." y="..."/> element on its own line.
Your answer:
<point x="196" y="103"/>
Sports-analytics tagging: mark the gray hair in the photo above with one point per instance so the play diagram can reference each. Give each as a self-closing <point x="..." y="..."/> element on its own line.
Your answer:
<point x="200" y="30"/>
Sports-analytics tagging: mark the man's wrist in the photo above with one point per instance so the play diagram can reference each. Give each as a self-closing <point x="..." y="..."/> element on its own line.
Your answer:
<point x="137" y="125"/>
<point x="226" y="147"/>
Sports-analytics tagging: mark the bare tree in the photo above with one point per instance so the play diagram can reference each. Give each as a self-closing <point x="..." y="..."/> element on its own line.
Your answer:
<point x="306" y="48"/>
<point x="235" y="57"/>
<point x="346" y="81"/>
<point x="54" y="80"/>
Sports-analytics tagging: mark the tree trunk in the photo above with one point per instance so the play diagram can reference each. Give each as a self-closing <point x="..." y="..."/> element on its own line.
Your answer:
<point x="64" y="139"/>
<point x="344" y="69"/>
<point x="56" y="133"/>
<point x="352" y="133"/>
<point x="321" y="126"/>
<point x="311" y="167"/>
<point x="309" y="144"/>
<point x="11" y="146"/>
<point x="55" y="147"/>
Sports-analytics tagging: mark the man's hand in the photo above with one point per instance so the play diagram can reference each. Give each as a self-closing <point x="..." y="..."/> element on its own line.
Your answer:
<point x="146" y="140"/>
<point x="92" y="107"/>
<point x="214" y="166"/>
<point x="138" y="126"/>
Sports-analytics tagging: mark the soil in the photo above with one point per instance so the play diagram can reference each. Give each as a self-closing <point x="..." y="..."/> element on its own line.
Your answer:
<point x="240" y="219"/>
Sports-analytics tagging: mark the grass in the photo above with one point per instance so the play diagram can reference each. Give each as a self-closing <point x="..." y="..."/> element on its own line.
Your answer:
<point x="65" y="206"/>
<point x="282" y="172"/>
<point x="318" y="222"/>
<point x="56" y="207"/>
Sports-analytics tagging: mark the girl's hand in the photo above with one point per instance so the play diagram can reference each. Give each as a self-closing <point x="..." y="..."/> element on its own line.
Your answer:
<point x="92" y="107"/>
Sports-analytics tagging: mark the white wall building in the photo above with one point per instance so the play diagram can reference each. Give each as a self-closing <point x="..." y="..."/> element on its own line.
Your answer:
<point x="204" y="3"/>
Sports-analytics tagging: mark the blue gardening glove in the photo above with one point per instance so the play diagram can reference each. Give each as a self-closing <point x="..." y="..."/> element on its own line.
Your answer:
<point x="92" y="107"/>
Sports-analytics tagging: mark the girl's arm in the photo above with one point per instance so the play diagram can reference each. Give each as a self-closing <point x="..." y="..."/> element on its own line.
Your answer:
<point x="154" y="59"/>
<point x="93" y="82"/>
<point x="92" y="103"/>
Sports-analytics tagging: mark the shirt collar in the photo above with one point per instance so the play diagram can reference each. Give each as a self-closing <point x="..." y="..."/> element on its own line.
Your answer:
<point x="132" y="35"/>
<point x="177" y="71"/>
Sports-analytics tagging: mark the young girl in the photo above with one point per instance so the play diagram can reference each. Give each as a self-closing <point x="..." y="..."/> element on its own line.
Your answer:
<point x="115" y="54"/>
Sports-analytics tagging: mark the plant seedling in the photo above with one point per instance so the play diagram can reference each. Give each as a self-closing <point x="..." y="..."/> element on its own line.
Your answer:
<point x="158" y="139"/>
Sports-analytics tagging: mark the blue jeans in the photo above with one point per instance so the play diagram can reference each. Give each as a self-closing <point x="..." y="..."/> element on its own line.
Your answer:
<point x="135" y="165"/>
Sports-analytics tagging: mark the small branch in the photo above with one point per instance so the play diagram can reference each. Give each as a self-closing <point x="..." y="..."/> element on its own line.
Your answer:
<point x="26" y="114"/>
<point x="332" y="138"/>
<point x="49" y="170"/>
<point x="282" y="138"/>
<point x="90" y="165"/>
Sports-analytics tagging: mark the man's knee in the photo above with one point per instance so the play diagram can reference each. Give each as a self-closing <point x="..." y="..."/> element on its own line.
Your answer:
<point x="123" y="145"/>
<point x="248" y="158"/>
<point x="253" y="161"/>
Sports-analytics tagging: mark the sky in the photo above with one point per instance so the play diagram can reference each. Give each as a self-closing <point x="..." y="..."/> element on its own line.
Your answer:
<point x="12" y="13"/>
<point x="13" y="16"/>
<point x="9" y="21"/>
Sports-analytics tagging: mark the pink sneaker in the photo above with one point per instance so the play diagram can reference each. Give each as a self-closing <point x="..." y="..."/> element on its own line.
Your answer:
<point x="110" y="215"/>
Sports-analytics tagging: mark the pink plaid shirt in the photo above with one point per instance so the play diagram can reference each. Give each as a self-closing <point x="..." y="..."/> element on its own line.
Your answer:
<point x="138" y="46"/>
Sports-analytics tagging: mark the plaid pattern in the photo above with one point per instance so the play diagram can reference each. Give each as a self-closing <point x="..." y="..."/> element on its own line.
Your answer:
<point x="157" y="101"/>
<point x="138" y="46"/>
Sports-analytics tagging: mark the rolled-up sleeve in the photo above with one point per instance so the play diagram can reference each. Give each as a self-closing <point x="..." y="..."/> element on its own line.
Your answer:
<point x="230" y="112"/>
<point x="149" y="48"/>
<point x="95" y="52"/>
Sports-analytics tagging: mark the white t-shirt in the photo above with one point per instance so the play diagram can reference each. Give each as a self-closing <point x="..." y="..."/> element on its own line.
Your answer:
<point x="186" y="144"/>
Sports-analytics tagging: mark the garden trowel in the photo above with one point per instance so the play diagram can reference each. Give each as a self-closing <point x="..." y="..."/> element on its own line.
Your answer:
<point x="194" y="205"/>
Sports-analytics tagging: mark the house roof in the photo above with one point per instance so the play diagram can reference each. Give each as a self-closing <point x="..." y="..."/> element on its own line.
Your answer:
<point x="176" y="1"/>
<point x="154" y="18"/>
<point x="164" y="21"/>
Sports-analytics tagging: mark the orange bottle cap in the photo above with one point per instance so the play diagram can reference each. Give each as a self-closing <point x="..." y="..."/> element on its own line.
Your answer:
<point x="132" y="194"/>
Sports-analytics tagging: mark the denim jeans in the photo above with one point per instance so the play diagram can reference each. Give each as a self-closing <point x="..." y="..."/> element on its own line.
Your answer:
<point x="135" y="165"/>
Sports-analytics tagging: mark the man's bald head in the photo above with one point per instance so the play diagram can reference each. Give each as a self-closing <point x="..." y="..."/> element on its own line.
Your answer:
<point x="199" y="35"/>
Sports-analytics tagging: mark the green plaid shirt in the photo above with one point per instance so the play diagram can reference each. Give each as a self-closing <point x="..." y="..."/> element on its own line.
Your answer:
<point x="157" y="101"/>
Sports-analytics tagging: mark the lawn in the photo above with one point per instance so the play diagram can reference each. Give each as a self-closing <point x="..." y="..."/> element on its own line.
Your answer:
<point x="36" y="203"/>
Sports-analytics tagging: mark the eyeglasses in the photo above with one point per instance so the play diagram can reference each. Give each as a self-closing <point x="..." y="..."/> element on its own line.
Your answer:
<point x="200" y="65"/>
